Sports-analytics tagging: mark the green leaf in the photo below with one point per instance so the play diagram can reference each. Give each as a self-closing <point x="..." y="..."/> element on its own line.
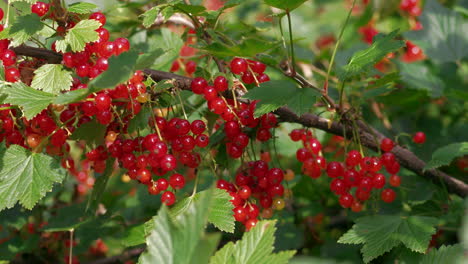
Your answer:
<point x="92" y="133"/>
<point x="191" y="9"/>
<point x="72" y="96"/>
<point x="419" y="76"/>
<point x="206" y="248"/>
<point x="174" y="238"/>
<point x="120" y="70"/>
<point x="78" y="36"/>
<point x="381" y="233"/>
<point x="82" y="8"/>
<point x="288" y="5"/>
<point x="146" y="60"/>
<point x="445" y="155"/>
<point x="100" y="185"/>
<point x="443" y="37"/>
<point x="220" y="214"/>
<point x="26" y="176"/>
<point x="18" y="245"/>
<point x="363" y="60"/>
<point x="22" y="29"/>
<point x="150" y="16"/>
<point x="67" y="218"/>
<point x="140" y="121"/>
<point x="249" y="47"/>
<point x="16" y="217"/>
<point x="31" y="101"/>
<point x="275" y="94"/>
<point x="171" y="44"/>
<point x="444" y="254"/>
<point x="52" y="78"/>
<point x="255" y="247"/>
<point x="136" y="235"/>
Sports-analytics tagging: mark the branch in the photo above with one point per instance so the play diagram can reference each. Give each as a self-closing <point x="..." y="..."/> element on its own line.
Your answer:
<point x="369" y="137"/>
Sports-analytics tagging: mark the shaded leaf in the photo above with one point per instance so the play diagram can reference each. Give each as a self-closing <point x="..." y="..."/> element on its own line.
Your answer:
<point x="92" y="132"/>
<point x="443" y="37"/>
<point x="445" y="155"/>
<point x="363" y="60"/>
<point x="285" y="5"/>
<point x="140" y="121"/>
<point x="444" y="254"/>
<point x="22" y="29"/>
<point x="100" y="185"/>
<point x="418" y="76"/>
<point x="120" y="70"/>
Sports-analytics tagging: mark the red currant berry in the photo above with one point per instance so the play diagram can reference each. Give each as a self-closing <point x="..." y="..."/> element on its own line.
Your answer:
<point x="168" y="198"/>
<point x="99" y="17"/>
<point x="12" y="75"/>
<point x="240" y="214"/>
<point x="221" y="84"/>
<point x="353" y="158"/>
<point x="386" y="144"/>
<point x="335" y="169"/>
<point x="197" y="127"/>
<point x="177" y="181"/>
<point x="419" y="138"/>
<point x="102" y="101"/>
<point x="346" y="200"/>
<point x="8" y="57"/>
<point x="388" y="195"/>
<point x="296" y="134"/>
<point x="238" y="66"/>
<point x="338" y="186"/>
<point x="244" y="192"/>
<point x="40" y="8"/>
<point x="198" y="85"/>
<point x="395" y="180"/>
<point x="378" y="181"/>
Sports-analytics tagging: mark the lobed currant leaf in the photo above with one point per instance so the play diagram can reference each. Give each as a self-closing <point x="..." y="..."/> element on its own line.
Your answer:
<point x="445" y="155"/>
<point x="26" y="176"/>
<point x="31" y="101"/>
<point x="81" y="8"/>
<point x="382" y="233"/>
<point x="52" y="78"/>
<point x="78" y="36"/>
<point x="22" y="29"/>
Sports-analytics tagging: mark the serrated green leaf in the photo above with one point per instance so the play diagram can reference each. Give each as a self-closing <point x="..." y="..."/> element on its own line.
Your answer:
<point x="22" y="29"/>
<point x="134" y="235"/>
<point x="419" y="76"/>
<point x="82" y="8"/>
<point x="288" y="5"/>
<point x="206" y="248"/>
<point x="382" y="233"/>
<point x="444" y="254"/>
<point x="120" y="70"/>
<point x="52" y="78"/>
<point x="31" y="101"/>
<point x="27" y="1"/>
<point x="92" y="133"/>
<point x="171" y="43"/>
<point x="175" y="237"/>
<point x="150" y="16"/>
<point x="78" y="36"/>
<point x="25" y="177"/>
<point x="255" y="247"/>
<point x="220" y="214"/>
<point x="445" y="155"/>
<point x="275" y="94"/>
<point x="140" y="121"/>
<point x="443" y="37"/>
<point x="363" y="60"/>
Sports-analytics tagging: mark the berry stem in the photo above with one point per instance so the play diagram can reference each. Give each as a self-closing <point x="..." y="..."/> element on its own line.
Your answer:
<point x="291" y="43"/>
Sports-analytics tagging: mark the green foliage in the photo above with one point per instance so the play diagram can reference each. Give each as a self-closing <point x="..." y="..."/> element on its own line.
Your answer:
<point x="445" y="155"/>
<point x="31" y="101"/>
<point x="25" y="177"/>
<point x="78" y="36"/>
<point x="52" y="78"/>
<point x="92" y="133"/>
<point x="442" y="37"/>
<point x="256" y="246"/>
<point x="81" y="8"/>
<point x="120" y="70"/>
<point x="71" y="96"/>
<point x="100" y="185"/>
<point x="248" y="47"/>
<point x="444" y="254"/>
<point x="362" y="60"/>
<point x="22" y="29"/>
<point x="275" y="94"/>
<point x="67" y="218"/>
<point x="381" y="233"/>
<point x="419" y="76"/>
<point x="285" y="5"/>
<point x="140" y="121"/>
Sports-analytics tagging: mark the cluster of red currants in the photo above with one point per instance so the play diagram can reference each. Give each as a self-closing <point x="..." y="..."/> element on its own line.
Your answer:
<point x="358" y="171"/>
<point x="256" y="183"/>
